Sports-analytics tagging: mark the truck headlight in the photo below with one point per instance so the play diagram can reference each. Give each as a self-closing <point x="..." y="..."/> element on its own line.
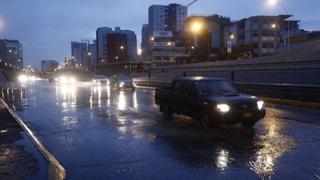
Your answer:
<point x="223" y="108"/>
<point x="260" y="104"/>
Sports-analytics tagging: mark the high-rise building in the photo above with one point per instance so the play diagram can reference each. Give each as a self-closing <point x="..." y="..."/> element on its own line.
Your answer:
<point x="163" y="19"/>
<point x="11" y="54"/>
<point x="145" y="40"/>
<point x="49" y="65"/>
<point x="101" y="38"/>
<point x="167" y="18"/>
<point x="84" y="54"/>
<point x="109" y="42"/>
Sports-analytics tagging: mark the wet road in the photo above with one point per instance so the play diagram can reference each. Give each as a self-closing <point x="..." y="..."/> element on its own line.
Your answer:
<point x="98" y="133"/>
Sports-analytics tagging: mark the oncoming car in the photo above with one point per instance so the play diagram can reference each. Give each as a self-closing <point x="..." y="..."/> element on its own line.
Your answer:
<point x="122" y="81"/>
<point x="100" y="79"/>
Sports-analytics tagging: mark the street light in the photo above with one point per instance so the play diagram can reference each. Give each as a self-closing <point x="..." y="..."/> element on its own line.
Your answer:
<point x="273" y="3"/>
<point x="121" y="47"/>
<point x="196" y="26"/>
<point x="273" y="26"/>
<point x="89" y="53"/>
<point x="232" y="36"/>
<point x="152" y="38"/>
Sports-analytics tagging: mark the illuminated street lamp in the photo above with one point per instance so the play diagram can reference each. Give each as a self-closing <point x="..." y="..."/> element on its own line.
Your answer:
<point x="196" y="27"/>
<point x="231" y="36"/>
<point x="273" y="3"/>
<point x="273" y="26"/>
<point x="152" y="38"/>
<point x="89" y="53"/>
<point x="122" y="47"/>
<point x="169" y="43"/>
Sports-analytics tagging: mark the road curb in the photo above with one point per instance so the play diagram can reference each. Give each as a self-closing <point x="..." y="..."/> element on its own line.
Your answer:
<point x="55" y="170"/>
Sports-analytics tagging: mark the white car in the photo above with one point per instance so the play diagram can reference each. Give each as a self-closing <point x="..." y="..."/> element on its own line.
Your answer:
<point x="100" y="79"/>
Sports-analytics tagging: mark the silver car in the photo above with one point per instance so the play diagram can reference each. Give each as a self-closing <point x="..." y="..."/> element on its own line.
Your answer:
<point x="100" y="79"/>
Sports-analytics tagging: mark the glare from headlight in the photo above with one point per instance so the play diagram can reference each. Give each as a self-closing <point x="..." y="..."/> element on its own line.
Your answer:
<point x="63" y="80"/>
<point x="22" y="78"/>
<point x="72" y="80"/>
<point x="134" y="84"/>
<point x="223" y="108"/>
<point x="260" y="104"/>
<point x="121" y="84"/>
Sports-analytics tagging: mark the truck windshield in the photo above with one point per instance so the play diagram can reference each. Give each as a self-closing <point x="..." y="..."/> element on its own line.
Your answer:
<point x="215" y="87"/>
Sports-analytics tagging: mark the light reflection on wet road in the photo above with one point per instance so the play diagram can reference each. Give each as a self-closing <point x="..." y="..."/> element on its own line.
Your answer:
<point x="99" y="133"/>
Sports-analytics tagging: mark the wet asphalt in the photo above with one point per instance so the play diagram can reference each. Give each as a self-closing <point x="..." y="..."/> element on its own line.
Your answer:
<point x="100" y="133"/>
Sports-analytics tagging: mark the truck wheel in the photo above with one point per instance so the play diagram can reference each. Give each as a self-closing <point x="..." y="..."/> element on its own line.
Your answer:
<point x="166" y="111"/>
<point x="206" y="122"/>
<point x="248" y="124"/>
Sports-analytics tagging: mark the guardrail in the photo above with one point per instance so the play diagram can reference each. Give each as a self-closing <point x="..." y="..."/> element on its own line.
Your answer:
<point x="295" y="92"/>
<point x="55" y="170"/>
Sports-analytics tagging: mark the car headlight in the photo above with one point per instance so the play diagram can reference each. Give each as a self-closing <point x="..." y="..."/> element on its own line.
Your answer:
<point x="260" y="104"/>
<point x="223" y="108"/>
<point x="63" y="80"/>
<point x="121" y="84"/>
<point x="72" y="80"/>
<point x="134" y="84"/>
<point x="22" y="78"/>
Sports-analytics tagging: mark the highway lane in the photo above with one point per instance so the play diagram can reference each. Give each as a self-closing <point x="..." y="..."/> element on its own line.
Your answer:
<point x="99" y="133"/>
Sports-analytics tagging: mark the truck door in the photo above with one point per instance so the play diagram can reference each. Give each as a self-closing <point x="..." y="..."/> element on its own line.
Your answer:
<point x="190" y="102"/>
<point x="178" y="97"/>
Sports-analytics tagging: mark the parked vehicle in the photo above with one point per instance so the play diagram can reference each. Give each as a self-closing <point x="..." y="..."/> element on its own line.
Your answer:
<point x="211" y="100"/>
<point x="100" y="79"/>
<point x="122" y="81"/>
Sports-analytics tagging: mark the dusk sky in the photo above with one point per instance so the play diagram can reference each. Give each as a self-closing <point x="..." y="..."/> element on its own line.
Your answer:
<point x="46" y="27"/>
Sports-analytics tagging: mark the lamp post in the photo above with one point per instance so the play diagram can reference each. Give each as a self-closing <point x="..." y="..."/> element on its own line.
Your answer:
<point x="274" y="3"/>
<point x="273" y="26"/>
<point x="196" y="28"/>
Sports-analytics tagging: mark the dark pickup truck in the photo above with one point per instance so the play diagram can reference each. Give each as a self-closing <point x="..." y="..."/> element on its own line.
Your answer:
<point x="211" y="100"/>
